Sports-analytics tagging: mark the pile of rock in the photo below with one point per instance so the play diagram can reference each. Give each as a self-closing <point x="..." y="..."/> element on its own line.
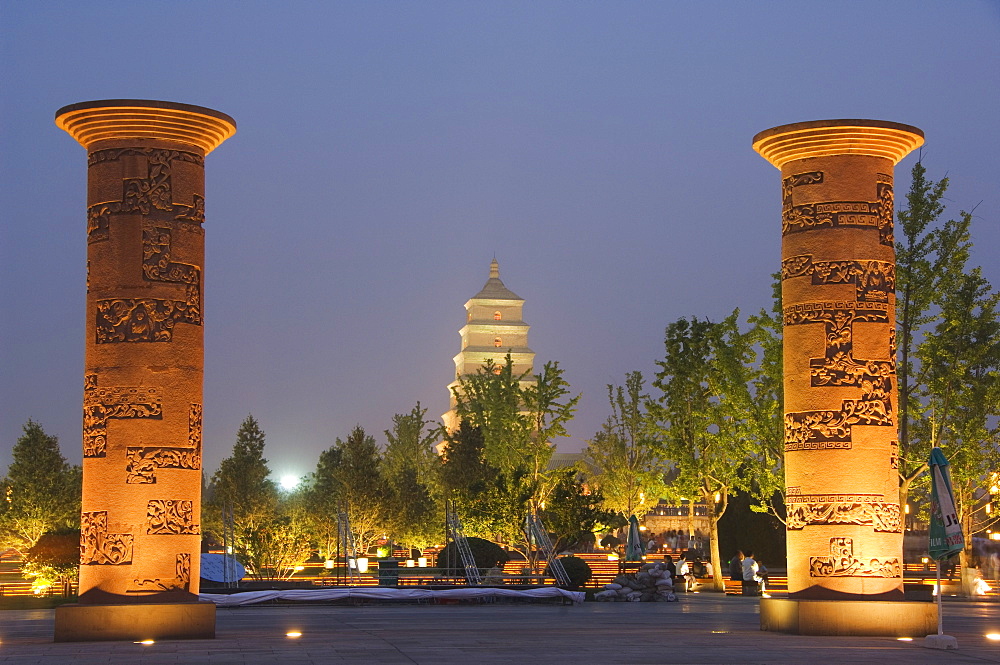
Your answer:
<point x="652" y="583"/>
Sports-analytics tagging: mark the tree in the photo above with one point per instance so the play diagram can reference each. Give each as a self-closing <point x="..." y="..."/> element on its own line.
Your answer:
<point x="361" y="486"/>
<point x="930" y="260"/>
<point x="571" y="511"/>
<point x="411" y="469"/>
<point x="242" y="488"/>
<point x="322" y="499"/>
<point x="962" y="359"/>
<point x="491" y="502"/>
<point x="705" y="382"/>
<point x="491" y="400"/>
<point x="627" y="459"/>
<point x="549" y="410"/>
<point x="281" y="542"/>
<point x="54" y="559"/>
<point x="765" y="410"/>
<point x="518" y="417"/>
<point x="410" y="445"/>
<point x="41" y="491"/>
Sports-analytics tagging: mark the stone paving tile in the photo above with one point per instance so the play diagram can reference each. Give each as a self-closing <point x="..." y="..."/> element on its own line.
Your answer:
<point x="700" y="629"/>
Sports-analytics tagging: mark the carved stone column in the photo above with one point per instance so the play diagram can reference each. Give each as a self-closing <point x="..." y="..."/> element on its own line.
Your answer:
<point x="845" y="527"/>
<point x="140" y="522"/>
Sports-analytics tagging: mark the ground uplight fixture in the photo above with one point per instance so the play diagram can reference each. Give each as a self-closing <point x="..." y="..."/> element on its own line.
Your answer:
<point x="993" y="636"/>
<point x="146" y="643"/>
<point x="293" y="634"/>
<point x="904" y="639"/>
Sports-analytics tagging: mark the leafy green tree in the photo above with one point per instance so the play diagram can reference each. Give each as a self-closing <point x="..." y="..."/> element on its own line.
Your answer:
<point x="53" y="560"/>
<point x="491" y="502"/>
<point x="626" y="458"/>
<point x="281" y="542"/>
<point x="243" y="488"/>
<point x="491" y="400"/>
<point x="410" y="445"/>
<point x="549" y="406"/>
<point x="518" y="418"/>
<point x="322" y="499"/>
<point x="572" y="511"/>
<point x="41" y="491"/>
<point x="930" y="261"/>
<point x="705" y="380"/>
<point x="412" y="471"/>
<point x="361" y="486"/>
<point x="962" y="357"/>
<point x="764" y="409"/>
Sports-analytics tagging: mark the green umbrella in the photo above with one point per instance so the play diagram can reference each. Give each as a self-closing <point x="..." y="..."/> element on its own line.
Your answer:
<point x="633" y="547"/>
<point x="946" y="538"/>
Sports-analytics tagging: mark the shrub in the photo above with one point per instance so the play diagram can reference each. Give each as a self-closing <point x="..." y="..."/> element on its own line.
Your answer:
<point x="487" y="554"/>
<point x="576" y="569"/>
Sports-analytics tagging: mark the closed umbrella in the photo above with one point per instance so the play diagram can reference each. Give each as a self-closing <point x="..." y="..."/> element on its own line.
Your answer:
<point x="946" y="538"/>
<point x="633" y="547"/>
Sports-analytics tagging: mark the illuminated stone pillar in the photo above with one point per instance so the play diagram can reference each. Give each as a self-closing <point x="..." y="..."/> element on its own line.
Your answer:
<point x="844" y="527"/>
<point x="142" y="400"/>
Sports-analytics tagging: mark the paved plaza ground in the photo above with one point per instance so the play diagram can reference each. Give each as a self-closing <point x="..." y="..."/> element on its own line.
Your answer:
<point x="701" y="628"/>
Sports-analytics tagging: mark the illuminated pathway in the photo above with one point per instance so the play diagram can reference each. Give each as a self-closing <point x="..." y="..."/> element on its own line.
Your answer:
<point x="703" y="628"/>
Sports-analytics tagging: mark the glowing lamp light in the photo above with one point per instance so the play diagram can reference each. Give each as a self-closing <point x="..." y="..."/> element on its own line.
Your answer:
<point x="612" y="557"/>
<point x="293" y="634"/>
<point x="329" y="564"/>
<point x="145" y="643"/>
<point x="904" y="639"/>
<point x="993" y="636"/>
<point x="995" y="536"/>
<point x="906" y="509"/>
<point x="718" y="497"/>
<point x="410" y="563"/>
<point x="288" y="483"/>
<point x="362" y="563"/>
<point x="924" y="559"/>
<point x="422" y="562"/>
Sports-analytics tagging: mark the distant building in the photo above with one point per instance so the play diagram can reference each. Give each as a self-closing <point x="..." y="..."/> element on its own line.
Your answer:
<point x="493" y="328"/>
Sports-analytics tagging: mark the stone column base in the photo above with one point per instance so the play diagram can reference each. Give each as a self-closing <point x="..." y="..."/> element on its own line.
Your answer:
<point x="140" y="621"/>
<point x="879" y="618"/>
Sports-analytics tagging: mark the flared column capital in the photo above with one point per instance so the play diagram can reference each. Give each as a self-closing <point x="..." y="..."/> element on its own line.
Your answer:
<point x="825" y="138"/>
<point x="124" y="119"/>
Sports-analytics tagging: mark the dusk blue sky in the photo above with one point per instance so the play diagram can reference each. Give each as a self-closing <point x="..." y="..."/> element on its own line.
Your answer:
<point x="387" y="150"/>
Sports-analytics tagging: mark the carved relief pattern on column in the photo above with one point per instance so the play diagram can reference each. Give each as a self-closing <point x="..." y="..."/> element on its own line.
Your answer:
<point x="842" y="562"/>
<point x="861" y="509"/>
<point x="194" y="426"/>
<point x="157" y="263"/>
<point x="101" y="404"/>
<point x="170" y="517"/>
<point x="875" y="214"/>
<point x="97" y="546"/>
<point x="181" y="582"/>
<point x="873" y="281"/>
<point x="145" y="319"/>
<point x="142" y="463"/>
<point x="144" y="195"/>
